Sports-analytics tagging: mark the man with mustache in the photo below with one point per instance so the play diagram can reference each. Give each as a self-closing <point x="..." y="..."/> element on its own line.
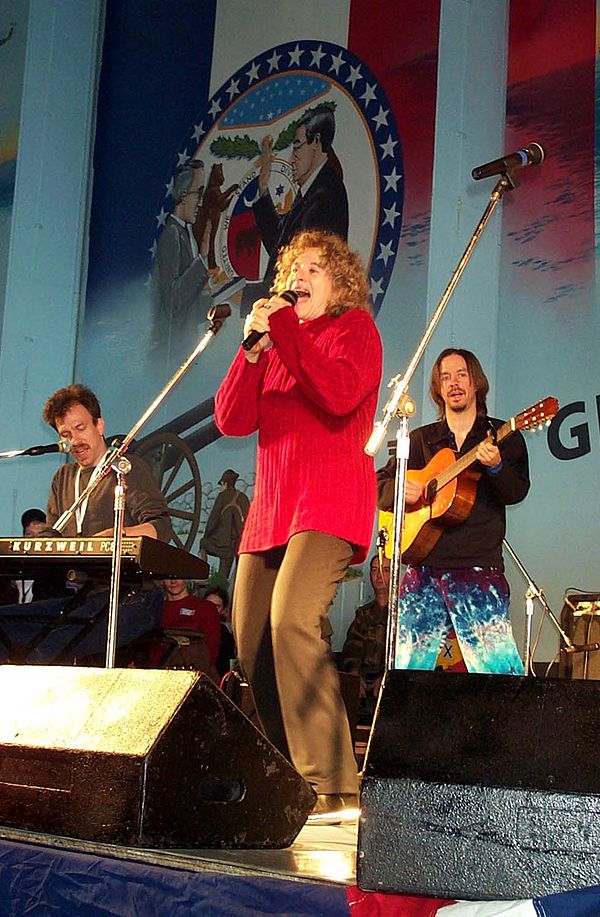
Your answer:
<point x="59" y="632"/>
<point x="75" y="414"/>
<point x="461" y="580"/>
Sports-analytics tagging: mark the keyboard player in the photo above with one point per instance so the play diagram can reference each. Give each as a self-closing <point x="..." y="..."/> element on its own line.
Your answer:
<point x="74" y="412"/>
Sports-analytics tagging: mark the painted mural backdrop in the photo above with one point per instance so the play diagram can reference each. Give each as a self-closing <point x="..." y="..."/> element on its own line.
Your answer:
<point x="174" y="101"/>
<point x="211" y="80"/>
<point x="13" y="36"/>
<point x="549" y="313"/>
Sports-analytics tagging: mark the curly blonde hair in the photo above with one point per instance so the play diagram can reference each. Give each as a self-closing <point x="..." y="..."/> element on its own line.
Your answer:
<point x="345" y="267"/>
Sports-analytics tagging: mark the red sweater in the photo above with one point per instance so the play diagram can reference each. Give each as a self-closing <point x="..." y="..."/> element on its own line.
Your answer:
<point x="196" y="614"/>
<point x="312" y="397"/>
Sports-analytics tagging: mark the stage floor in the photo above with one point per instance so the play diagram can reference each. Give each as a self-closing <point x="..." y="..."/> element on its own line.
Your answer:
<point x="322" y="854"/>
<point x="48" y="874"/>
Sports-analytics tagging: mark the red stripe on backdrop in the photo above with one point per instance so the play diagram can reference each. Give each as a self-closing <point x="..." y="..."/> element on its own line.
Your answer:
<point x="399" y="42"/>
<point x="551" y="100"/>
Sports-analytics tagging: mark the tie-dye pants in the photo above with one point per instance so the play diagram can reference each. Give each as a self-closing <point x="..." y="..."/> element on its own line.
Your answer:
<point x="472" y="599"/>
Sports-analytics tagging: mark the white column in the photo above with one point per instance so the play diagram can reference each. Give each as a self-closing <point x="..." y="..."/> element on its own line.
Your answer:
<point x="470" y="120"/>
<point x="48" y="247"/>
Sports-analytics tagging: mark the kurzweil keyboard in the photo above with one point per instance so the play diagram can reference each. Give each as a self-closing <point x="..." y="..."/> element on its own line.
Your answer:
<point x="141" y="557"/>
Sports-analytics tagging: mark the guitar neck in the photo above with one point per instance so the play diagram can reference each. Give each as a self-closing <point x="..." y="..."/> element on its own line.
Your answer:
<point x="471" y="456"/>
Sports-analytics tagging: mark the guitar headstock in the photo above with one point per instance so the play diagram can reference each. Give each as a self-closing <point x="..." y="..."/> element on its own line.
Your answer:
<point x="537" y="415"/>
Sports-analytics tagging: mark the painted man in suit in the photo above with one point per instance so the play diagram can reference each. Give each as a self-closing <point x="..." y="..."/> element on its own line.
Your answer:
<point x="180" y="271"/>
<point x="321" y="201"/>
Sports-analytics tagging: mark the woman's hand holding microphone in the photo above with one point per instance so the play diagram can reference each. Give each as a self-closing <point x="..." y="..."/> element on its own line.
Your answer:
<point x="256" y="326"/>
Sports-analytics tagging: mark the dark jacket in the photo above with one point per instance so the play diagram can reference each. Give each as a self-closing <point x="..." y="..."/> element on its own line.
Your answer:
<point x="325" y="206"/>
<point x="363" y="652"/>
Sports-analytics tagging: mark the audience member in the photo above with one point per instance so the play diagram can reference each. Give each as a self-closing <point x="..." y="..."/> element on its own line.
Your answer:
<point x="20" y="591"/>
<point x="227" y="652"/>
<point x="363" y="652"/>
<point x="33" y="522"/>
<point x="9" y="592"/>
<point x="196" y="621"/>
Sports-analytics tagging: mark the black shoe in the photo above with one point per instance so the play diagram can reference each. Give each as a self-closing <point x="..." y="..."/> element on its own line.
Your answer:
<point x="334" y="809"/>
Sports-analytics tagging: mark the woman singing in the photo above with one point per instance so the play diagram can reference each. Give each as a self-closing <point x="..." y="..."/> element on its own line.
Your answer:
<point x="309" y="386"/>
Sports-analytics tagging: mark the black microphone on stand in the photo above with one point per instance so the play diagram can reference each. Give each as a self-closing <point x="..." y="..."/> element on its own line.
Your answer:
<point x="255" y="336"/>
<point x="530" y="155"/>
<point x="62" y="446"/>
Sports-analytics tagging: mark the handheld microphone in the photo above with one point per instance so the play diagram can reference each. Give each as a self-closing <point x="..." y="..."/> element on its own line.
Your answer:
<point x="255" y="336"/>
<point x="530" y="155"/>
<point x="62" y="446"/>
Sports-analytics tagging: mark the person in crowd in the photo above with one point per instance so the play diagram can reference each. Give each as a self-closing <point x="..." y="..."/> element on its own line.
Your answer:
<point x="33" y="522"/>
<point x="309" y="386"/>
<point x="459" y="581"/>
<point x="197" y="621"/>
<point x="363" y="653"/>
<point x="227" y="652"/>
<point x="225" y="523"/>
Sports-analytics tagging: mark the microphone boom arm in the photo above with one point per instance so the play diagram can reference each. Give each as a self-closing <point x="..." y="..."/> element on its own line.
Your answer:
<point x="114" y="460"/>
<point x="116" y="452"/>
<point x="399" y="385"/>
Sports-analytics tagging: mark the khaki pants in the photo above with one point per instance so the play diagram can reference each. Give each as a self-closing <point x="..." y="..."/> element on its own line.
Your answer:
<point x="281" y="597"/>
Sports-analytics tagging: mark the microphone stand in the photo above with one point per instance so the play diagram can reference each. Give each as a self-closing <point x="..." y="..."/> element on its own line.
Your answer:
<point x="113" y="460"/>
<point x="531" y="593"/>
<point x="400" y="404"/>
<point x="37" y="450"/>
<point x="13" y="453"/>
<point x="121" y="468"/>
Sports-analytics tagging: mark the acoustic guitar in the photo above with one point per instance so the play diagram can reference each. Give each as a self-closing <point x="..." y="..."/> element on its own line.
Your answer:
<point x="450" y="487"/>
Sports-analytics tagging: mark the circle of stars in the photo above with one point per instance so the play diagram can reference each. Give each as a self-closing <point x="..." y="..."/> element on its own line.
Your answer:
<point x="340" y="66"/>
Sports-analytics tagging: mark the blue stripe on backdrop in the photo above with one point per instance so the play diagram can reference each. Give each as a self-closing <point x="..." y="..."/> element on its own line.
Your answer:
<point x="139" y="62"/>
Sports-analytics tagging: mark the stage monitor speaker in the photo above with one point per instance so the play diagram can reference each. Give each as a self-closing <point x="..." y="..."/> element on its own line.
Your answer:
<point x="153" y="758"/>
<point x="481" y="787"/>
<point x="580" y="620"/>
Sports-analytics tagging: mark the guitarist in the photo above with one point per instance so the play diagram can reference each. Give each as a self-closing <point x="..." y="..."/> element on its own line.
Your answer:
<point x="461" y="580"/>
